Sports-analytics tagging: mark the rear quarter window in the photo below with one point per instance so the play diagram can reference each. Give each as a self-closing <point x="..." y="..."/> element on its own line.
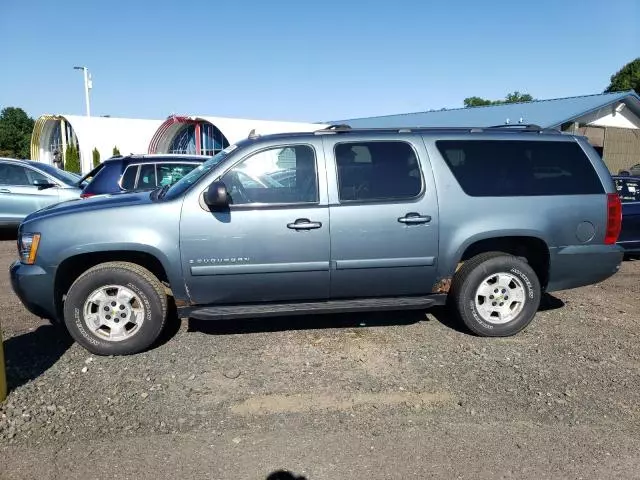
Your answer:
<point x="128" y="180"/>
<point x="514" y="168"/>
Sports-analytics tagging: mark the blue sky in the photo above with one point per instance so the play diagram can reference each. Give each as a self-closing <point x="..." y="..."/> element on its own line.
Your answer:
<point x="305" y="60"/>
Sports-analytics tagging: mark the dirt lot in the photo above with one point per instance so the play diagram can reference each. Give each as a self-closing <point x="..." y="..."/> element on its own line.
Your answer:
<point x="342" y="397"/>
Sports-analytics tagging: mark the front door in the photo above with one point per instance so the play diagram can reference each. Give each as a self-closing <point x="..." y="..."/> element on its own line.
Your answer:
<point x="384" y="217"/>
<point x="273" y="243"/>
<point x="19" y="196"/>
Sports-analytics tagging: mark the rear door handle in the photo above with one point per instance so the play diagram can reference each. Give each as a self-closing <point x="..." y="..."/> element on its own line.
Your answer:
<point x="304" y="224"/>
<point x="4" y="190"/>
<point x="414" y="218"/>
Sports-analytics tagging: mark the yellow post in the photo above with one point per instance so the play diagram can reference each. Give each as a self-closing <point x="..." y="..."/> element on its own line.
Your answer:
<point x="3" y="377"/>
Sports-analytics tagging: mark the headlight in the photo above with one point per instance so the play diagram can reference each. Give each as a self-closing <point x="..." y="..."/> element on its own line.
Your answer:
<point x="28" y="247"/>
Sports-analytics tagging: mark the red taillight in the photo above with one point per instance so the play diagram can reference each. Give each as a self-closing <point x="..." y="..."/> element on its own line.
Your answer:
<point x="86" y="195"/>
<point x="614" y="218"/>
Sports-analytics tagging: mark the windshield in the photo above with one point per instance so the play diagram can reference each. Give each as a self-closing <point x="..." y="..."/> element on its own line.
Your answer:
<point x="70" y="179"/>
<point x="196" y="174"/>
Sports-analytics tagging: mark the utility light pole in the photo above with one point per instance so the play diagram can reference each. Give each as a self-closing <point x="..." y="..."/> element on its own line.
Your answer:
<point x="88" y="84"/>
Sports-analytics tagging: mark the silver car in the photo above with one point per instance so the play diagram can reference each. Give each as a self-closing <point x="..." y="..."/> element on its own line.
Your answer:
<point x="27" y="186"/>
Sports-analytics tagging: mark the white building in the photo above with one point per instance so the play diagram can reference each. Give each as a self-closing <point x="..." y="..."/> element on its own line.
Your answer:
<point x="200" y="135"/>
<point x="53" y="132"/>
<point x="205" y="135"/>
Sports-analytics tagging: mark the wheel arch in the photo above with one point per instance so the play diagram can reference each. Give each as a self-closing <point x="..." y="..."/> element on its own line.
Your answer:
<point x="530" y="245"/>
<point x="73" y="265"/>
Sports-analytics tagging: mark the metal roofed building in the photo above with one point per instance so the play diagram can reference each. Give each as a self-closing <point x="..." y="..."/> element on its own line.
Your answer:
<point x="611" y="121"/>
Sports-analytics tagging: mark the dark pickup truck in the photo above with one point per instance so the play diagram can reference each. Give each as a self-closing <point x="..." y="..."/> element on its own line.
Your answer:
<point x="629" y="191"/>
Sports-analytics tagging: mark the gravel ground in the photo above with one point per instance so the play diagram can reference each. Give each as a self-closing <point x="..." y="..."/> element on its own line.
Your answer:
<point x="388" y="395"/>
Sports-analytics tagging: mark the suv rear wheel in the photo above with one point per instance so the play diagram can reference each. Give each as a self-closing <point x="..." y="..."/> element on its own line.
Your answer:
<point x="495" y="294"/>
<point x="116" y="308"/>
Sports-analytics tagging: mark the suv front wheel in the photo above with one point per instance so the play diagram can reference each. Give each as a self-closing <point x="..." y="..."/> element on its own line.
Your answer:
<point x="116" y="308"/>
<point x="495" y="294"/>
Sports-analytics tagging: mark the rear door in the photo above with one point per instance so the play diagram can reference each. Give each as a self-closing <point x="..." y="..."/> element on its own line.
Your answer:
<point x="383" y="216"/>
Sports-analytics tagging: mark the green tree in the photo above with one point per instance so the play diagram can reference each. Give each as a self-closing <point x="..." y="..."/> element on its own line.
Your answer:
<point x="627" y="78"/>
<point x="72" y="159"/>
<point x="96" y="157"/>
<point x="15" y="133"/>
<point x="476" y="102"/>
<point x="116" y="151"/>
<point x="515" y="97"/>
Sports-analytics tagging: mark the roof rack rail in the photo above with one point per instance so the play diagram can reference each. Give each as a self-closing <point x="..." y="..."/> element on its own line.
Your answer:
<point x="520" y="127"/>
<point x="528" y="127"/>
<point x="335" y="128"/>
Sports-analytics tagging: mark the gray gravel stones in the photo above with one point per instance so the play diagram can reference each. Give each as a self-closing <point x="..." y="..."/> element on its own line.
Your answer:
<point x="569" y="367"/>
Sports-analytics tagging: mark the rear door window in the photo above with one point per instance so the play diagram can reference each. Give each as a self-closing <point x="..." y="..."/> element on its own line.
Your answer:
<point x="514" y="168"/>
<point x="13" y="175"/>
<point x="169" y="173"/>
<point x="628" y="189"/>
<point x="377" y="171"/>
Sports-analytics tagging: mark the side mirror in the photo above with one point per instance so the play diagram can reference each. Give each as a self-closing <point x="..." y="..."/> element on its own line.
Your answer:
<point x="216" y="197"/>
<point x="42" y="184"/>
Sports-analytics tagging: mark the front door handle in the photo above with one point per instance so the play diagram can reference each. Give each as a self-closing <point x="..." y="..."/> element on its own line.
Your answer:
<point x="414" y="218"/>
<point x="4" y="190"/>
<point x="304" y="224"/>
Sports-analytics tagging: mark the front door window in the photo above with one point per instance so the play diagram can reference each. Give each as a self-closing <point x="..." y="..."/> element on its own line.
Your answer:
<point x="282" y="175"/>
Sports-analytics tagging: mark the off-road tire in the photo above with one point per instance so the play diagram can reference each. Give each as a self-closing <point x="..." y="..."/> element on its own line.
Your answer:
<point x="138" y="279"/>
<point x="467" y="280"/>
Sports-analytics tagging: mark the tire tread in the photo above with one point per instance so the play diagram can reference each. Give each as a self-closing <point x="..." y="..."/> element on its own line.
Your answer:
<point x="456" y="300"/>
<point x="136" y="269"/>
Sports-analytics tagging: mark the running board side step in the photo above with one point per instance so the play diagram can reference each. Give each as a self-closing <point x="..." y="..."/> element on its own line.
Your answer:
<point x="227" y="312"/>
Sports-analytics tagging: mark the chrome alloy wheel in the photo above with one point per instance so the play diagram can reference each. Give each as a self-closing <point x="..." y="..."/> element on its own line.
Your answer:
<point x="500" y="298"/>
<point x="113" y="313"/>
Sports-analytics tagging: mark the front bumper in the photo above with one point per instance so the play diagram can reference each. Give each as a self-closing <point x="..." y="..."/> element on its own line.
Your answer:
<point x="34" y="286"/>
<point x="580" y="265"/>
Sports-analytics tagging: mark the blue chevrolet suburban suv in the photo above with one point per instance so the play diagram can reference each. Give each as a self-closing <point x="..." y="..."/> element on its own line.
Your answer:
<point x="483" y="220"/>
